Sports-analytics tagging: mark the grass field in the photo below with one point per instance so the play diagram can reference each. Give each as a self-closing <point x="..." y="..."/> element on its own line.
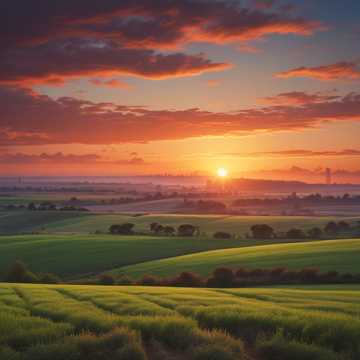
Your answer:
<point x="340" y="255"/>
<point x="136" y="323"/>
<point x="18" y="222"/>
<point x="78" y="255"/>
<point x="71" y="255"/>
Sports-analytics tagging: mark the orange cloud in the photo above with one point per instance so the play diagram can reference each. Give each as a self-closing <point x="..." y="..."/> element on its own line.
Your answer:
<point x="339" y="71"/>
<point x="112" y="83"/>
<point x="37" y="119"/>
<point x="297" y="98"/>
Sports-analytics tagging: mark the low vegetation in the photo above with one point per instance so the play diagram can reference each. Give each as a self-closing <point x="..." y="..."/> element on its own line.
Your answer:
<point x="41" y="322"/>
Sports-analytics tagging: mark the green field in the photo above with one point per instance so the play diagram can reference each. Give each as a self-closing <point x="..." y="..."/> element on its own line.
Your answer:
<point x="135" y="323"/>
<point x="16" y="222"/>
<point x="340" y="255"/>
<point x="80" y="254"/>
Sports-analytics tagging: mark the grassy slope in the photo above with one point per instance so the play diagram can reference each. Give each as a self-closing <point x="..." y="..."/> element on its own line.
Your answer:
<point x="71" y="255"/>
<point x="328" y="318"/>
<point x="340" y="255"/>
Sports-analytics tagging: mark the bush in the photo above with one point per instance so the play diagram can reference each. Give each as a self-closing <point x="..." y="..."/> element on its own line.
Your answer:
<point x="122" y="229"/>
<point x="106" y="279"/>
<point x="262" y="231"/>
<point x="49" y="278"/>
<point x="221" y="277"/>
<point x="187" y="279"/>
<point x="149" y="280"/>
<point x="187" y="230"/>
<point x="124" y="280"/>
<point x="19" y="272"/>
<point x="222" y="235"/>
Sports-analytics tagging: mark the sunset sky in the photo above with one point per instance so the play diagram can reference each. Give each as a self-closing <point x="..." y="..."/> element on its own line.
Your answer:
<point x="262" y="88"/>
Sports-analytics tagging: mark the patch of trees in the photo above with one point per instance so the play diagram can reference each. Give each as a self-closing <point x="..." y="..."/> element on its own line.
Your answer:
<point x="122" y="229"/>
<point x="331" y="229"/>
<point x="20" y="273"/>
<point x="306" y="200"/>
<point x="185" y="230"/>
<point x="44" y="206"/>
<point x="206" y="206"/>
<point x="224" y="277"/>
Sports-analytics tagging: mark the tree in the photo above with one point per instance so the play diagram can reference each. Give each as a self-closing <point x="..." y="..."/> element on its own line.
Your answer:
<point x="106" y="279"/>
<point x="123" y="229"/>
<point x="295" y="234"/>
<point x="31" y="206"/>
<point x="187" y="230"/>
<point x="169" y="230"/>
<point x="331" y="228"/>
<point x="187" y="279"/>
<point x="315" y="233"/>
<point x="19" y="272"/>
<point x="262" y="231"/>
<point x="154" y="226"/>
<point x="222" y="277"/>
<point x="222" y="235"/>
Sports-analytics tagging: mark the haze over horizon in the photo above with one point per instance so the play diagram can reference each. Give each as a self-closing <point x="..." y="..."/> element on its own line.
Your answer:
<point x="263" y="88"/>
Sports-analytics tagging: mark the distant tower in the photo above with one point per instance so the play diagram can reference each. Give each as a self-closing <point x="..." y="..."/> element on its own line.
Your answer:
<point x="328" y="176"/>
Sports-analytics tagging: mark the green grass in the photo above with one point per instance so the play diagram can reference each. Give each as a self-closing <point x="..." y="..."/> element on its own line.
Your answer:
<point x="340" y="255"/>
<point x="91" y="322"/>
<point x="72" y="255"/>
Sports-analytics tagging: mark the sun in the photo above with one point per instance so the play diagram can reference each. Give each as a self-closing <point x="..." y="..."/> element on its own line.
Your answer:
<point x="222" y="172"/>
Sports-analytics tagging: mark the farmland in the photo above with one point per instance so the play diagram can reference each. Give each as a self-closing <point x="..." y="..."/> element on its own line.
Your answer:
<point x="18" y="222"/>
<point x="340" y="255"/>
<point x="93" y="322"/>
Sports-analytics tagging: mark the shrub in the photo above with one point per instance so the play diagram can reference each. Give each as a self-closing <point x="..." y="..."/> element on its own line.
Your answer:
<point x="19" y="272"/>
<point x="187" y="279"/>
<point x="124" y="280"/>
<point x="122" y="229"/>
<point x="187" y="230"/>
<point x="222" y="235"/>
<point x="149" y="280"/>
<point x="106" y="279"/>
<point x="262" y="231"/>
<point x="222" y="277"/>
<point x="49" y="278"/>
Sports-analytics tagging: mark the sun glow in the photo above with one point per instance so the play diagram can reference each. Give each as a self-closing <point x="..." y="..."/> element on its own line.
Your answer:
<point x="222" y="172"/>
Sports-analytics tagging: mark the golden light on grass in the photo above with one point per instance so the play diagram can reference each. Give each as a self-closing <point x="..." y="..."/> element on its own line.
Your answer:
<point x="222" y="172"/>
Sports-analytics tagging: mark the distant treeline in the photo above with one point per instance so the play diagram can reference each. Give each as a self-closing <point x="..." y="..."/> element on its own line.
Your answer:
<point x="224" y="277"/>
<point x="44" y="206"/>
<point x="306" y="200"/>
<point x="258" y="231"/>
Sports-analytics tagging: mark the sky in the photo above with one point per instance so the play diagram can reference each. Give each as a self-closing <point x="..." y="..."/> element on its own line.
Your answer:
<point x="264" y="88"/>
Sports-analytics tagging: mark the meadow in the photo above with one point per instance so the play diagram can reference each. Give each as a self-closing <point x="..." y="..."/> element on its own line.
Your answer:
<point x="326" y="255"/>
<point x="96" y="322"/>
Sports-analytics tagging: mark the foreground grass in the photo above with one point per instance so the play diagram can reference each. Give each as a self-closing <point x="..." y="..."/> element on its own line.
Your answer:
<point x="340" y="255"/>
<point x="92" y="322"/>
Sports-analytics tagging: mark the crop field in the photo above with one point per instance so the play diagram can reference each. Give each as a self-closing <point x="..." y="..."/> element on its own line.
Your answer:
<point x="326" y="255"/>
<point x="129" y="323"/>
<point x="17" y="222"/>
